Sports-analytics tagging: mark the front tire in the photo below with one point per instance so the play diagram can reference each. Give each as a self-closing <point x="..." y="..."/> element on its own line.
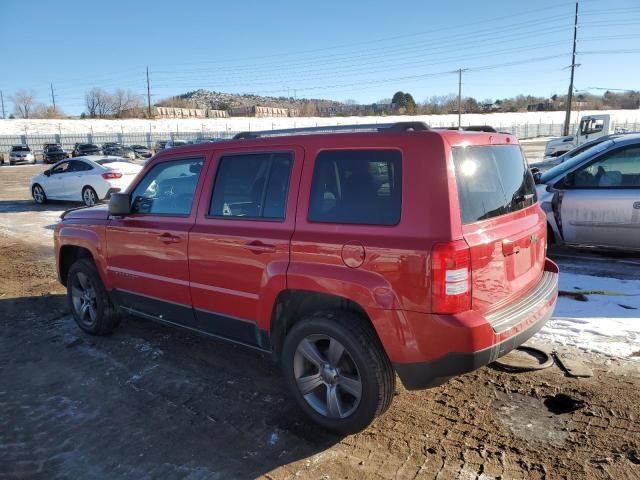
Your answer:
<point x="90" y="304"/>
<point x="337" y="370"/>
<point x="89" y="196"/>
<point x="37" y="192"/>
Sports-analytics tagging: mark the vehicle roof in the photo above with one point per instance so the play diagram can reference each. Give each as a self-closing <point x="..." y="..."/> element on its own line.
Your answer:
<point x="624" y="138"/>
<point x="452" y="137"/>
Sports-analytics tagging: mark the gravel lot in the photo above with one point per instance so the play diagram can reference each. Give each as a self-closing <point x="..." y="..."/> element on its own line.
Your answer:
<point x="151" y="402"/>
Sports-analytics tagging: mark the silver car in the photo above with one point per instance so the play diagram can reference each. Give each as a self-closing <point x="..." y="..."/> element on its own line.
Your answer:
<point x="593" y="199"/>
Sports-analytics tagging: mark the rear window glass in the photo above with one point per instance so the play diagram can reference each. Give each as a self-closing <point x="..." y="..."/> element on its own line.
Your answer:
<point x="357" y="187"/>
<point x="492" y="181"/>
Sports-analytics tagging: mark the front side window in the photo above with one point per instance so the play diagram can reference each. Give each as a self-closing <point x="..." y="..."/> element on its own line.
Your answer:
<point x="357" y="187"/>
<point x="620" y="169"/>
<point x="61" y="168"/>
<point x="168" y="188"/>
<point x="252" y="186"/>
<point x="589" y="126"/>
<point x="77" y="166"/>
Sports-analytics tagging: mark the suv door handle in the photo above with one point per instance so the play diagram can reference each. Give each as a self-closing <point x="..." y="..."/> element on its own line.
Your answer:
<point x="258" y="247"/>
<point x="168" y="238"/>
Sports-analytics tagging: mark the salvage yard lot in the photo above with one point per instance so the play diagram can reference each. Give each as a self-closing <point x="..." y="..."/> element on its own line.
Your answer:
<point x="151" y="402"/>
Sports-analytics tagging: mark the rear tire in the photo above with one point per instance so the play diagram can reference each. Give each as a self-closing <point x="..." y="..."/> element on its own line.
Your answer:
<point x="337" y="370"/>
<point x="89" y="196"/>
<point x="90" y="304"/>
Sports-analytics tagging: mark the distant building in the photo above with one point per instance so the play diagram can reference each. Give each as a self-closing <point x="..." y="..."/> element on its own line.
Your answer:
<point x="546" y="106"/>
<point x="174" y="112"/>
<point x="260" y="111"/>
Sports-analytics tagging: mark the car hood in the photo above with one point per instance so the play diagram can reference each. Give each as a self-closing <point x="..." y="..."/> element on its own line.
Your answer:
<point x="99" y="212"/>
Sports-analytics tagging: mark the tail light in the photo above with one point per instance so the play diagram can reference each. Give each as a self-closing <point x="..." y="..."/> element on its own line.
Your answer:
<point x="111" y="175"/>
<point x="450" y="277"/>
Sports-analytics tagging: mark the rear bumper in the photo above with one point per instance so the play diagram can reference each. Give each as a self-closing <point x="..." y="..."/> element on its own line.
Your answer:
<point x="502" y="331"/>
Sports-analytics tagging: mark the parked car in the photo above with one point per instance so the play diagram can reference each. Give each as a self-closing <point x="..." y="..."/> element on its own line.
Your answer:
<point x="84" y="149"/>
<point x="176" y="143"/>
<point x="207" y="140"/>
<point x="366" y="262"/>
<point x="120" y="151"/>
<point x="141" y="152"/>
<point x="548" y="163"/>
<point x="21" y="154"/>
<point x="53" y="152"/>
<point x="107" y="145"/>
<point x="85" y="179"/>
<point x="593" y="199"/>
<point x="160" y="145"/>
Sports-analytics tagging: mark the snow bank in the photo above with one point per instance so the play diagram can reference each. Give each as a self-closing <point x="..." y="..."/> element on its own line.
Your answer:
<point x="235" y="124"/>
<point x="608" y="322"/>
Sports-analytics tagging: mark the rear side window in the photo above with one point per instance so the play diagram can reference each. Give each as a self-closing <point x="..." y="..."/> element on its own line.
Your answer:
<point x="168" y="188"/>
<point x="357" y="187"/>
<point x="252" y="186"/>
<point x="492" y="181"/>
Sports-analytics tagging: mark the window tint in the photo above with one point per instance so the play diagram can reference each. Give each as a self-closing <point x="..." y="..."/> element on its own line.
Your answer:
<point x="357" y="186"/>
<point x="492" y="181"/>
<point x="168" y="188"/>
<point x="252" y="186"/>
<point x="620" y="169"/>
<point x="76" y="166"/>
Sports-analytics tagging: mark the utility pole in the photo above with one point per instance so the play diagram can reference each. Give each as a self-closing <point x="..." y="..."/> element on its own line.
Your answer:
<point x="53" y="97"/>
<point x="2" y="101"/>
<point x="460" y="70"/>
<point x="567" y="117"/>
<point x="148" y="93"/>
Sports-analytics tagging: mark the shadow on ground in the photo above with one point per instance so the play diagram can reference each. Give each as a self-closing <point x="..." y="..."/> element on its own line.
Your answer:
<point x="145" y="401"/>
<point x="17" y="206"/>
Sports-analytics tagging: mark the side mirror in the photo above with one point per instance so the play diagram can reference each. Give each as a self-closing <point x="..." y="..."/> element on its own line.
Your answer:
<point x="47" y="173"/>
<point x="119" y="204"/>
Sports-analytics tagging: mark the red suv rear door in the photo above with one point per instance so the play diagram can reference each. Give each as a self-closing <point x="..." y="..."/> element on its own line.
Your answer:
<point x="239" y="245"/>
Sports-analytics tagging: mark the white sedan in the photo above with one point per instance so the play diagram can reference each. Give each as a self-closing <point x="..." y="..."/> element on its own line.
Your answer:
<point x="87" y="179"/>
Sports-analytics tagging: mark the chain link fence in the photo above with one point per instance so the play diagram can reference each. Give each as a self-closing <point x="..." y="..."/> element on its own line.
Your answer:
<point x="148" y="139"/>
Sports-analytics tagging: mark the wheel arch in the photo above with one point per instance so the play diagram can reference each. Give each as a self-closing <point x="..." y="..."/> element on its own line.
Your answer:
<point x="292" y="305"/>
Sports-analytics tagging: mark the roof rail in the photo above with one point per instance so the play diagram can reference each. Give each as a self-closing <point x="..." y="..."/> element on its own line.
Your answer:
<point x="369" y="127"/>
<point x="475" y="128"/>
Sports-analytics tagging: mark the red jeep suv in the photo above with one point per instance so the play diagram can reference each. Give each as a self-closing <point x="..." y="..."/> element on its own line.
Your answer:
<point x="348" y="253"/>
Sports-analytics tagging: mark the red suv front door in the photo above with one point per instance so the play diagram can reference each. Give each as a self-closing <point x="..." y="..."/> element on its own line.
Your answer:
<point x="147" y="250"/>
<point x="239" y="245"/>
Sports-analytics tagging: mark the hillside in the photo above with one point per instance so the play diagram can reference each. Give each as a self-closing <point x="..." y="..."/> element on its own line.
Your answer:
<point x="223" y="101"/>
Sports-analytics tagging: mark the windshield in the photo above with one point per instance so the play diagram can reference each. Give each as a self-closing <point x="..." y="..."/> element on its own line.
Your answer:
<point x="21" y="148"/>
<point x="577" y="160"/>
<point x="88" y="146"/>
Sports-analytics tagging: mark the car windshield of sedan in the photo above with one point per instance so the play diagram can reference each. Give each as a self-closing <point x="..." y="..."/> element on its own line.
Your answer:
<point x="20" y="148"/>
<point x="569" y="164"/>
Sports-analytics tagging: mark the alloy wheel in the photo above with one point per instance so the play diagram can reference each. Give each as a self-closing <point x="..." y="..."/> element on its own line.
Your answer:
<point x="83" y="298"/>
<point x="327" y="376"/>
<point x="89" y="197"/>
<point x="38" y="194"/>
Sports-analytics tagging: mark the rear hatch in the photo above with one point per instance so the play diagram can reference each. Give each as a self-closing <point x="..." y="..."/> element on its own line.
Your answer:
<point x="501" y="223"/>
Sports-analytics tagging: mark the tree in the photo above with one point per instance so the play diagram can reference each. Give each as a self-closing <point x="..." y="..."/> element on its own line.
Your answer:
<point x="23" y="102"/>
<point x="404" y="101"/>
<point x="47" y="111"/>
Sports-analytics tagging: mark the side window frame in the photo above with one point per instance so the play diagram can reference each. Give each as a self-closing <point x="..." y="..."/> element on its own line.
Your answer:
<point x="53" y="172"/>
<point x="271" y="153"/>
<point x="194" y="201"/>
<point x="599" y="159"/>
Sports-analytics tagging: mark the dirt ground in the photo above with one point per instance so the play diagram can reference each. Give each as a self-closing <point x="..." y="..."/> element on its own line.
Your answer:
<point x="152" y="402"/>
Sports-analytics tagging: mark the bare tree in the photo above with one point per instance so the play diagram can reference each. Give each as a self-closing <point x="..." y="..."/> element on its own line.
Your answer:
<point x="23" y="102"/>
<point x="46" y="111"/>
<point x="123" y="102"/>
<point x="91" y="102"/>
